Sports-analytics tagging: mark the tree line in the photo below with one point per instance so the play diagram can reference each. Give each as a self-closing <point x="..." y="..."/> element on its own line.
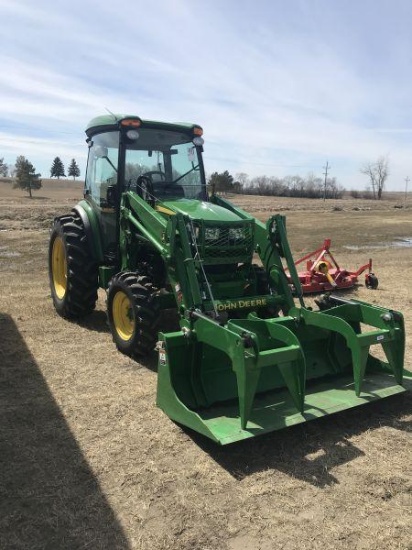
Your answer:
<point x="26" y="177"/>
<point x="290" y="186"/>
<point x="311" y="186"/>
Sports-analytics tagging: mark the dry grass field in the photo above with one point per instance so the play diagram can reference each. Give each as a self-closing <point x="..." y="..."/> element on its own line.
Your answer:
<point x="87" y="461"/>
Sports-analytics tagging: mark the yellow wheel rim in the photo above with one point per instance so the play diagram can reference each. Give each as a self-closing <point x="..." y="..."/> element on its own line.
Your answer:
<point x="59" y="268"/>
<point x="123" y="318"/>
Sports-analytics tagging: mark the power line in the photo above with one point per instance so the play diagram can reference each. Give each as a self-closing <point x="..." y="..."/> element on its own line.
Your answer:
<point x="326" y="177"/>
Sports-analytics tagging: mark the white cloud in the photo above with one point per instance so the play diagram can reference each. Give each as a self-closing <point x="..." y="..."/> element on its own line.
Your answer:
<point x="278" y="88"/>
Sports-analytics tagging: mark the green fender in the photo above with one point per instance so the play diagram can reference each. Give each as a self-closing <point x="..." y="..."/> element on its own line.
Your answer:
<point x="92" y="229"/>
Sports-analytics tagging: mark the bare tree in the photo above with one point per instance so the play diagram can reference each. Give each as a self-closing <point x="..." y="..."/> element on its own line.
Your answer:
<point x="377" y="173"/>
<point x="242" y="178"/>
<point x="241" y="181"/>
<point x="262" y="184"/>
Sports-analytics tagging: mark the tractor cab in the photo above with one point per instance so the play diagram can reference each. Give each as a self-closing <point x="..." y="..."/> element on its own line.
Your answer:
<point x="163" y="164"/>
<point x="157" y="160"/>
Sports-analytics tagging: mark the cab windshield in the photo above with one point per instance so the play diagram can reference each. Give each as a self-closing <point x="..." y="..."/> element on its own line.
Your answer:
<point x="165" y="163"/>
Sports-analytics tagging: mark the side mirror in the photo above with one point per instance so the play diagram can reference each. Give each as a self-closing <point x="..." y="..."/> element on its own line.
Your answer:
<point x="100" y="151"/>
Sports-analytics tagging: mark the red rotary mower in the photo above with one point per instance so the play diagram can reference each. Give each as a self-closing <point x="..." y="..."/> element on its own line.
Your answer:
<point x="323" y="272"/>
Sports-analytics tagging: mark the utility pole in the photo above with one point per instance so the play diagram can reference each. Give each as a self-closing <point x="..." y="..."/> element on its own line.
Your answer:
<point x="407" y="180"/>
<point x="326" y="177"/>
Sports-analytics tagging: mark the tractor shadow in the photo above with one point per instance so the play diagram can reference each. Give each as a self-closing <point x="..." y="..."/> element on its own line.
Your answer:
<point x="96" y="321"/>
<point x="149" y="362"/>
<point x="50" y="497"/>
<point x="311" y="451"/>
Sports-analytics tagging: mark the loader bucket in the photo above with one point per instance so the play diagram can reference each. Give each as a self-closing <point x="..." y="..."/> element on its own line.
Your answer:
<point x="253" y="376"/>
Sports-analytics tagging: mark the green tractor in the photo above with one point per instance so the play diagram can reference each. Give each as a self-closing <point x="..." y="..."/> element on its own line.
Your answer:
<point x="244" y="359"/>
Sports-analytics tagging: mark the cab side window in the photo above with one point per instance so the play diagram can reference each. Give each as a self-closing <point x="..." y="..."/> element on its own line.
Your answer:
<point x="102" y="166"/>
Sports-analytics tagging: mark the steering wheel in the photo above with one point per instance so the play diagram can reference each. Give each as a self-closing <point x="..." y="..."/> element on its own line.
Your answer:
<point x="144" y="189"/>
<point x="155" y="173"/>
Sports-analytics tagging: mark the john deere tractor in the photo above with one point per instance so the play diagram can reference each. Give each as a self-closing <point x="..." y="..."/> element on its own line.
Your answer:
<point x="245" y="359"/>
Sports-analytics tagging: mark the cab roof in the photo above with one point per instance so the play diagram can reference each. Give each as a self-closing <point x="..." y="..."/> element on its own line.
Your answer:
<point x="105" y="123"/>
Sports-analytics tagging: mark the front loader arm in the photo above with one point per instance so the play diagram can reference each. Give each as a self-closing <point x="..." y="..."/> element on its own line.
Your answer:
<point x="169" y="237"/>
<point x="145" y="219"/>
<point x="272" y="245"/>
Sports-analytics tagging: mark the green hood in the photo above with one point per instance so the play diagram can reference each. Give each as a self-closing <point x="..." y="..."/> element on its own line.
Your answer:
<point x="200" y="210"/>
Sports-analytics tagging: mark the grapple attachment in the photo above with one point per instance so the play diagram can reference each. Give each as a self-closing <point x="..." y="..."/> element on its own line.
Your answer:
<point x="252" y="376"/>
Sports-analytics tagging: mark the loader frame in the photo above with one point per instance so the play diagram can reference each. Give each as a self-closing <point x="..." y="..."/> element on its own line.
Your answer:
<point x="267" y="367"/>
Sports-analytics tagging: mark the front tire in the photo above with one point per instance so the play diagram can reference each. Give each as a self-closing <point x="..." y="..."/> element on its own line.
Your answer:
<point x="73" y="273"/>
<point x="133" y="314"/>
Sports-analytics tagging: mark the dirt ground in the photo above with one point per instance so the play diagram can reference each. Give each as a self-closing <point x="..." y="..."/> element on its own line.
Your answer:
<point x="87" y="461"/>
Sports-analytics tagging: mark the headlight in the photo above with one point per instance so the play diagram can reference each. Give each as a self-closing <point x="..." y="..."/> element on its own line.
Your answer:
<point x="212" y="233"/>
<point x="193" y="230"/>
<point x="236" y="234"/>
<point x="132" y="134"/>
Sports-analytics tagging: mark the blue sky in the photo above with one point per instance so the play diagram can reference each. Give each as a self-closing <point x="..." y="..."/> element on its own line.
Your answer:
<point x="280" y="87"/>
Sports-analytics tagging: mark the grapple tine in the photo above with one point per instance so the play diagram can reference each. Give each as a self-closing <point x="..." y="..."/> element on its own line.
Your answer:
<point x="394" y="353"/>
<point x="294" y="376"/>
<point x="293" y="372"/>
<point x="360" y="358"/>
<point x="282" y="351"/>
<point x="247" y="381"/>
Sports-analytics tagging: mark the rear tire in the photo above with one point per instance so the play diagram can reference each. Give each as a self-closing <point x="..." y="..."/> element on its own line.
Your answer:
<point x="133" y="314"/>
<point x="73" y="273"/>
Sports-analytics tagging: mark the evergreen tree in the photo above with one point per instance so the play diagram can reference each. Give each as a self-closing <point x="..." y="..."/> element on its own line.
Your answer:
<point x="221" y="182"/>
<point x="57" y="169"/>
<point x="74" y="170"/>
<point x="26" y="177"/>
<point x="4" y="169"/>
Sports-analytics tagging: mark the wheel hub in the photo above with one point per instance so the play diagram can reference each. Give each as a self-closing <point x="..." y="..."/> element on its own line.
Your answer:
<point x="59" y="268"/>
<point x="123" y="317"/>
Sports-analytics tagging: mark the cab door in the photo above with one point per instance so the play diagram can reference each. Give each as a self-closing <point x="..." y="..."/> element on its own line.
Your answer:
<point x="102" y="174"/>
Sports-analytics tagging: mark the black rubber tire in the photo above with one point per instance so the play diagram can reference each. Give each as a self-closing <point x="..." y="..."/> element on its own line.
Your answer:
<point x="78" y="295"/>
<point x="262" y="282"/>
<point x="371" y="281"/>
<point x="263" y="288"/>
<point x="138" y="339"/>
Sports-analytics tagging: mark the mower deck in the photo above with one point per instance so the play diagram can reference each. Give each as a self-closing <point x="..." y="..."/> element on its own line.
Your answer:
<point x="323" y="273"/>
